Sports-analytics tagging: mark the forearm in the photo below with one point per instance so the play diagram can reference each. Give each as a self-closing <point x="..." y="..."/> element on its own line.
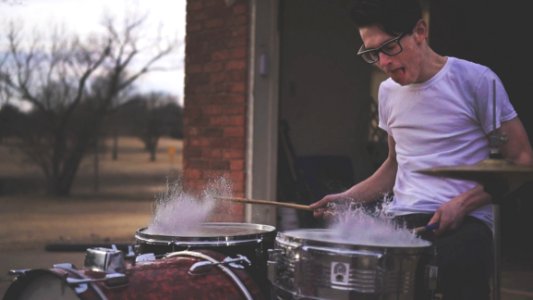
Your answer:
<point x="451" y="214"/>
<point x="375" y="186"/>
<point x="472" y="199"/>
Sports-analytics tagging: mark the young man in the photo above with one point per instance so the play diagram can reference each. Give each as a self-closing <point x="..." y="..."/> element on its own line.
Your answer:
<point x="437" y="111"/>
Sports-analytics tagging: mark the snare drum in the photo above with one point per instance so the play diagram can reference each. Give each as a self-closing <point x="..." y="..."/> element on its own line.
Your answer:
<point x="315" y="264"/>
<point x="250" y="240"/>
<point x="198" y="274"/>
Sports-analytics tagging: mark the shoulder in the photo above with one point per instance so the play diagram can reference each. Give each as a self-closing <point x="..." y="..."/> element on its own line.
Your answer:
<point x="466" y="68"/>
<point x="387" y="86"/>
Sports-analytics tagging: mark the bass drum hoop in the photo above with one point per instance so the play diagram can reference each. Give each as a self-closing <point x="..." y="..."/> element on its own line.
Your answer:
<point x="32" y="280"/>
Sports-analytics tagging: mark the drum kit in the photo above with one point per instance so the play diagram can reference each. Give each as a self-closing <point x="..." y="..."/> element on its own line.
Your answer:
<point x="253" y="261"/>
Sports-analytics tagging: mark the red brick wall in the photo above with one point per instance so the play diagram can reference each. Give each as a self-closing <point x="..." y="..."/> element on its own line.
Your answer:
<point x="216" y="62"/>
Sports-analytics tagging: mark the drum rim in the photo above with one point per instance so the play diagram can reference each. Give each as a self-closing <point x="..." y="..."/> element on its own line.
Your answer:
<point x="265" y="230"/>
<point x="286" y="238"/>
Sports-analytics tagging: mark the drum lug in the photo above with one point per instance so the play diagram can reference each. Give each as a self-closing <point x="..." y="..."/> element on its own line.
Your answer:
<point x="432" y="276"/>
<point x="272" y="264"/>
<point x="274" y="254"/>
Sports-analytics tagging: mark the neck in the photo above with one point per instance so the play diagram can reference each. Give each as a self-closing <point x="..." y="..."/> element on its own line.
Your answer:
<point x="433" y="63"/>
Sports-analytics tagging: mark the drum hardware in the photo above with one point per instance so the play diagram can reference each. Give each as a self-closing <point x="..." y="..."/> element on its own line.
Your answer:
<point x="81" y="287"/>
<point x="164" y="278"/>
<point x="498" y="176"/>
<point x="202" y="267"/>
<point x="222" y="267"/>
<point x="274" y="255"/>
<point x="104" y="260"/>
<point x="500" y="179"/>
<point x="432" y="275"/>
<point x="111" y="279"/>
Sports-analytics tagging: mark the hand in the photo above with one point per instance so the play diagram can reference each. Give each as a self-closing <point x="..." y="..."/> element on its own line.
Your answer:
<point x="320" y="208"/>
<point x="450" y="216"/>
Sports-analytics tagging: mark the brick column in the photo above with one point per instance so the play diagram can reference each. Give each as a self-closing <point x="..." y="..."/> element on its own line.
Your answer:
<point x="216" y="61"/>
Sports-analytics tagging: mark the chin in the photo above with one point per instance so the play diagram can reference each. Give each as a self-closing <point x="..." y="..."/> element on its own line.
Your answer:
<point x="400" y="81"/>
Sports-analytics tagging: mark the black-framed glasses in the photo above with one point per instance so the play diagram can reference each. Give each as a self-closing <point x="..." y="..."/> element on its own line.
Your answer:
<point x="391" y="47"/>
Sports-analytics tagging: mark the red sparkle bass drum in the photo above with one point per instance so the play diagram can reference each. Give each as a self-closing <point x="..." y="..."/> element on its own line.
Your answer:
<point x="202" y="274"/>
<point x="250" y="240"/>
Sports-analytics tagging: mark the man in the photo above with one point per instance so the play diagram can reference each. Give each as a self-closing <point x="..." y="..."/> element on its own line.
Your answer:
<point x="437" y="111"/>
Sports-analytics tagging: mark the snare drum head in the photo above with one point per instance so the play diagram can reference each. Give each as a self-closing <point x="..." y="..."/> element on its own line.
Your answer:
<point x="318" y="236"/>
<point x="210" y="233"/>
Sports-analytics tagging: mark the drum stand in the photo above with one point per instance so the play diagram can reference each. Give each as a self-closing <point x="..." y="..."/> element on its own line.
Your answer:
<point x="498" y="176"/>
<point x="497" y="252"/>
<point x="498" y="197"/>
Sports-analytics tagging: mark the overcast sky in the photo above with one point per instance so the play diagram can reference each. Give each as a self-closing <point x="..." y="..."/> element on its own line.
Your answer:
<point x="85" y="16"/>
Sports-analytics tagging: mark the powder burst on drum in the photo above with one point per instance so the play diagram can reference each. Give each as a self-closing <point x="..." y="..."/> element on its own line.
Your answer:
<point x="355" y="224"/>
<point x="177" y="212"/>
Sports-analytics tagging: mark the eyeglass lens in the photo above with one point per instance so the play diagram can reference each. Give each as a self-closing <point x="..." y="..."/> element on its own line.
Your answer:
<point x="390" y="48"/>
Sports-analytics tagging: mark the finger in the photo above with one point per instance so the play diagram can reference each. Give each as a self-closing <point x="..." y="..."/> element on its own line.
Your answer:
<point x="318" y="212"/>
<point x="435" y="218"/>
<point x="328" y="216"/>
<point x="444" y="225"/>
<point x="438" y="217"/>
<point x="318" y="203"/>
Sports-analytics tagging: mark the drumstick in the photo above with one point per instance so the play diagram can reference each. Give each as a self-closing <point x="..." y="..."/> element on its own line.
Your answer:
<point x="267" y="202"/>
<point x="422" y="229"/>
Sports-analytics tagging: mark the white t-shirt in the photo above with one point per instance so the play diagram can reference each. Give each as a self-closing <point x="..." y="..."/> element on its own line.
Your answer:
<point x="441" y="122"/>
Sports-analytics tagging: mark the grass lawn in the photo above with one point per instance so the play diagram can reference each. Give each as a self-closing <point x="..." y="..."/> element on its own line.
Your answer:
<point x="122" y="203"/>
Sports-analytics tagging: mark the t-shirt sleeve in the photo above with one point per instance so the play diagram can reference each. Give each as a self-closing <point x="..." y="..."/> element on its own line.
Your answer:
<point x="382" y="110"/>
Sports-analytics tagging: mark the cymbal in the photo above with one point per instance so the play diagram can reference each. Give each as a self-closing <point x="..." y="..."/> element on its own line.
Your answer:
<point x="486" y="171"/>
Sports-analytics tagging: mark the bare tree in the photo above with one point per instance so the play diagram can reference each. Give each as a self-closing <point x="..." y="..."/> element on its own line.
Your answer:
<point x="72" y="85"/>
<point x="150" y="116"/>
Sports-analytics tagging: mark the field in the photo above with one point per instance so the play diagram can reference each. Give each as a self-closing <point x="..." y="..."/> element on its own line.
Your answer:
<point x="123" y="203"/>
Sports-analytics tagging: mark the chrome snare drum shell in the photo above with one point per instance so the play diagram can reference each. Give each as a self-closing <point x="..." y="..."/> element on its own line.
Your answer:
<point x="308" y="263"/>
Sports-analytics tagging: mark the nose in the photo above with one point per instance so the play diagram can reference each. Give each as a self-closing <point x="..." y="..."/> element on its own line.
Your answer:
<point x="384" y="59"/>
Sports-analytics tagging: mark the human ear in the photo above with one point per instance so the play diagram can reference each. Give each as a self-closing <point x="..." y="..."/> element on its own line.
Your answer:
<point x="421" y="31"/>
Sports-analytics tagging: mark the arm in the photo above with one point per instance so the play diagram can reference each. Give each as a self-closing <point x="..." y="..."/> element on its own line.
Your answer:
<point x="516" y="150"/>
<point x="368" y="190"/>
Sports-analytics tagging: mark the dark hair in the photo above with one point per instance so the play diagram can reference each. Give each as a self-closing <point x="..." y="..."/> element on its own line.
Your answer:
<point x="392" y="16"/>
